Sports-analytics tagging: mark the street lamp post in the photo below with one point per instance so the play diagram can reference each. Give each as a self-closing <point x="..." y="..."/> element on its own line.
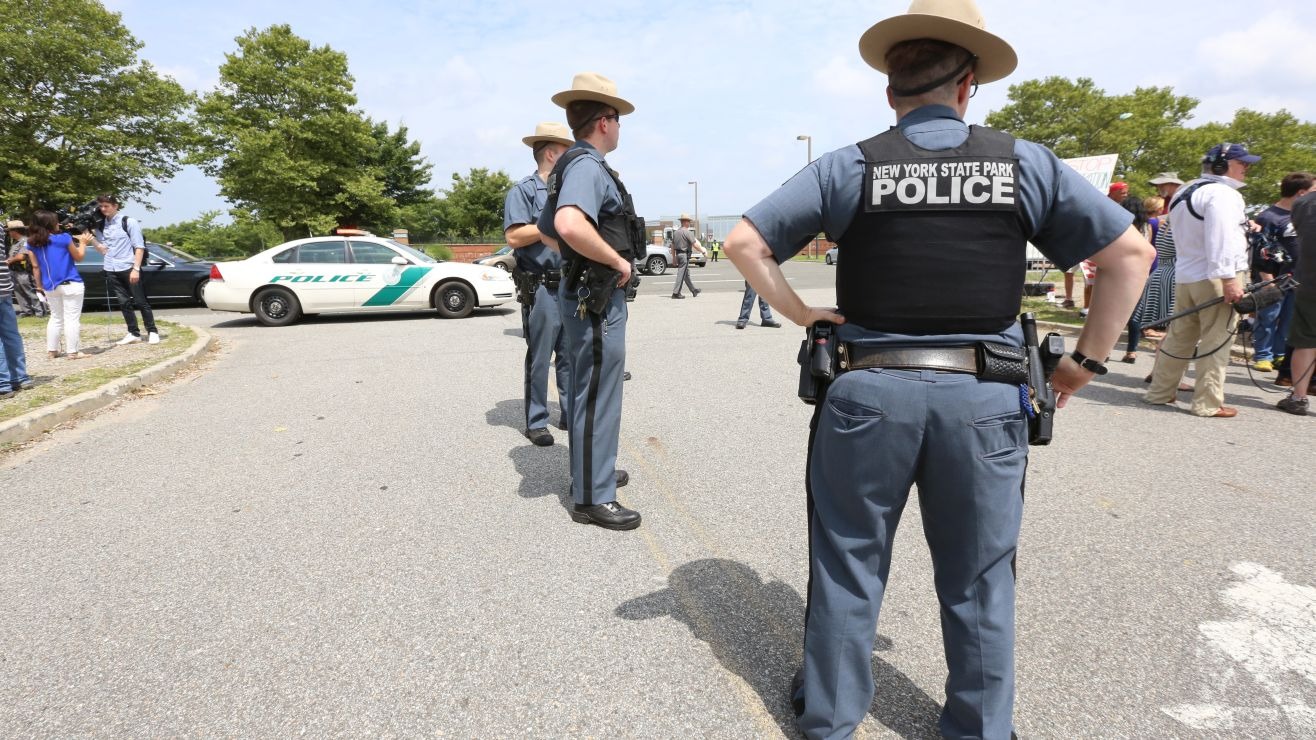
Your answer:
<point x="696" y="184"/>
<point x="1088" y="141"/>
<point x="808" y="153"/>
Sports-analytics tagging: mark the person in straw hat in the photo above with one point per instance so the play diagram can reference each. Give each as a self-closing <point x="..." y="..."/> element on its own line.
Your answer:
<point x="591" y="220"/>
<point x="683" y="241"/>
<point x="932" y="218"/>
<point x="538" y="273"/>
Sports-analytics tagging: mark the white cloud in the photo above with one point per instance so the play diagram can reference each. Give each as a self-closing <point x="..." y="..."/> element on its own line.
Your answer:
<point x="847" y="76"/>
<point x="1273" y="44"/>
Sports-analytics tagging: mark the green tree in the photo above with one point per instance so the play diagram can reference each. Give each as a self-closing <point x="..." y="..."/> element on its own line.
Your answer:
<point x="473" y="208"/>
<point x="283" y="140"/>
<point x="397" y="163"/>
<point x="80" y="113"/>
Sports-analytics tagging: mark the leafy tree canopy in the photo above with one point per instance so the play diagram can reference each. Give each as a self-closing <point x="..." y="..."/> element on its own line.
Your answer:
<point x="80" y="114"/>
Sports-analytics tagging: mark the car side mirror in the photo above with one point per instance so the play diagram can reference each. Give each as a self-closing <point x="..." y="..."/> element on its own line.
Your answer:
<point x="399" y="260"/>
<point x="155" y="262"/>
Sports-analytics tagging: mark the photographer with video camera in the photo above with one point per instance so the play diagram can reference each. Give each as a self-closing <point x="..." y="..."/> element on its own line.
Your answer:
<point x="57" y="255"/>
<point x="1302" y="330"/>
<point x="1272" y="327"/>
<point x="1212" y="262"/>
<point x="119" y="238"/>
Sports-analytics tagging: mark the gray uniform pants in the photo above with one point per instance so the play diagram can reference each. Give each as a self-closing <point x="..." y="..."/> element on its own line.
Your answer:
<point x="682" y="273"/>
<point x="25" y="291"/>
<point x="597" y="348"/>
<point x="765" y="313"/>
<point x="542" y="324"/>
<point x="964" y="442"/>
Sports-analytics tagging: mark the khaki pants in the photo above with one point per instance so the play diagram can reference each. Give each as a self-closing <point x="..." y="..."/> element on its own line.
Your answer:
<point x="1202" y="332"/>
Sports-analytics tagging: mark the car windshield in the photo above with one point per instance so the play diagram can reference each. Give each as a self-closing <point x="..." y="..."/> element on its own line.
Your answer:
<point x="418" y="255"/>
<point x="173" y="253"/>
<point x="504" y="250"/>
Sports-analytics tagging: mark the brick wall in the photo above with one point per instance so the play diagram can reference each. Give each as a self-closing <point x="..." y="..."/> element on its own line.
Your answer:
<point x="472" y="252"/>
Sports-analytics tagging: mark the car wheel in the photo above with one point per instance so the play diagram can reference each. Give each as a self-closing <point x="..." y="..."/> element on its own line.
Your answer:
<point x="827" y="258"/>
<point x="503" y="267"/>
<point x="656" y="265"/>
<point x="200" y="292"/>
<point x="454" y="300"/>
<point x="276" y="307"/>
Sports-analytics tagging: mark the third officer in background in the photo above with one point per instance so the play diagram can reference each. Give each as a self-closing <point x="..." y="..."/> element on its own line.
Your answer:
<point x="538" y="273"/>
<point x="933" y="217"/>
<point x="591" y="219"/>
<point x="683" y="241"/>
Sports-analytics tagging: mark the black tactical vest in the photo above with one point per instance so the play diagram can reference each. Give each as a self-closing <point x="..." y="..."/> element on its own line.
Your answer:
<point x="939" y="243"/>
<point x="617" y="229"/>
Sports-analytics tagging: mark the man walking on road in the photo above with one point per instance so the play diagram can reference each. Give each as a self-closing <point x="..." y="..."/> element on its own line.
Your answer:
<point x="1212" y="262"/>
<point x="683" y="240"/>
<point x="765" y="313"/>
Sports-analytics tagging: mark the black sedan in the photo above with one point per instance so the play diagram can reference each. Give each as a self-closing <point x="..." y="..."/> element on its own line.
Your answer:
<point x="170" y="276"/>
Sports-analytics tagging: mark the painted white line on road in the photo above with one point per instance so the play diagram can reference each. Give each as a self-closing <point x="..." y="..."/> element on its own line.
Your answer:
<point x="1273" y="638"/>
<point x="701" y="282"/>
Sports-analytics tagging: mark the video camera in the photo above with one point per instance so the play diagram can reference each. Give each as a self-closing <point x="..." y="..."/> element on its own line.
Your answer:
<point x="1268" y="253"/>
<point x="86" y="217"/>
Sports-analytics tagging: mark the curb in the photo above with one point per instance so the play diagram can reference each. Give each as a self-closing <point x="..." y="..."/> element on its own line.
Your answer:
<point x="31" y="425"/>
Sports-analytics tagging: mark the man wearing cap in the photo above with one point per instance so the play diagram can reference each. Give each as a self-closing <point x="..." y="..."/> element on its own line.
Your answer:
<point x="590" y="218"/>
<point x="929" y="203"/>
<point x="23" y="268"/>
<point x="683" y="241"/>
<point x="538" y="273"/>
<point x="1211" y="262"/>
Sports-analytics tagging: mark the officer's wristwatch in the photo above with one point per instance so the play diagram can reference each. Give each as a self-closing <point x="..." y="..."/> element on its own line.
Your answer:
<point x="1087" y="363"/>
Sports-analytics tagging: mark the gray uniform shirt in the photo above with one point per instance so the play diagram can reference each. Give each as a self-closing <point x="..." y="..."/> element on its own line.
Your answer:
<point x="586" y="185"/>
<point x="525" y="201"/>
<point x="1068" y="218"/>
<point x="683" y="240"/>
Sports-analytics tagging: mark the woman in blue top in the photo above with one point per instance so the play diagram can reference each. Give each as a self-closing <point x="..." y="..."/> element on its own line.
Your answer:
<point x="57" y="255"/>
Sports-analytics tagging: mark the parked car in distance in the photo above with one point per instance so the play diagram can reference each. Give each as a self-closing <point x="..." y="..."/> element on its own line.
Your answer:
<point x="170" y="276"/>
<point x="658" y="256"/>
<point x="351" y="272"/>
<point x="502" y="259"/>
<point x="830" y="257"/>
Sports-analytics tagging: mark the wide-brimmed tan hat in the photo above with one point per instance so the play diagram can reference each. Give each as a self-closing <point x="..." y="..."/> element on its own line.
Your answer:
<point x="556" y="133"/>
<point x="593" y="86"/>
<point x="1165" y="178"/>
<point x="685" y="217"/>
<point x="15" y="226"/>
<point x="957" y="22"/>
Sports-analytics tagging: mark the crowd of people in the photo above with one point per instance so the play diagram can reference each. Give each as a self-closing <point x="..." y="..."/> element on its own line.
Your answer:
<point x="39" y="277"/>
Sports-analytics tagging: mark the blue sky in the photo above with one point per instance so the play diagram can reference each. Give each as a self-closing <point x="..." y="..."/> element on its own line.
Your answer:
<point x="721" y="89"/>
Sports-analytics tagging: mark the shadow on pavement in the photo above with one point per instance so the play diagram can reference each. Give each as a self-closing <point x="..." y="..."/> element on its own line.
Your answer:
<point x="544" y="471"/>
<point x="755" y="630"/>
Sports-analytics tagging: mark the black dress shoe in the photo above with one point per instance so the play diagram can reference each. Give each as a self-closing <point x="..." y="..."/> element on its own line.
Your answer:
<point x="769" y="324"/>
<point x="626" y="375"/>
<point x="696" y="291"/>
<point x="622" y="477"/>
<point x="611" y="515"/>
<point x="740" y="325"/>
<point x="678" y="295"/>
<point x="539" y="437"/>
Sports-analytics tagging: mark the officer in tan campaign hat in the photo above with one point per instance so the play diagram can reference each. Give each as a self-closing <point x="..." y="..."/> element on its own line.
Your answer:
<point x="684" y="242"/>
<point x="537" y="275"/>
<point x="933" y="219"/>
<point x="591" y="219"/>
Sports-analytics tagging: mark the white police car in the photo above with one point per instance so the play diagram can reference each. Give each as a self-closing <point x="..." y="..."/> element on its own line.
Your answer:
<point x="351" y="272"/>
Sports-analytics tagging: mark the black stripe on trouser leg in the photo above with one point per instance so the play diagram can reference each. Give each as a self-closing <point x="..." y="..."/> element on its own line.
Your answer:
<point x="591" y="401"/>
<point x="529" y="355"/>
<point x="808" y="501"/>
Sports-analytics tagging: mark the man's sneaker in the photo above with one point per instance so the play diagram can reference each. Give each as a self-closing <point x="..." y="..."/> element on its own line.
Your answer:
<point x="740" y="324"/>
<point x="770" y="324"/>
<point x="1295" y="406"/>
<point x="129" y="339"/>
<point x="1264" y="366"/>
<point x="6" y="394"/>
<point x="153" y="338"/>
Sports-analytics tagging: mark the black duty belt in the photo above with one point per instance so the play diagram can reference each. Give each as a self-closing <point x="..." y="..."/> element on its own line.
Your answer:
<point x="987" y="360"/>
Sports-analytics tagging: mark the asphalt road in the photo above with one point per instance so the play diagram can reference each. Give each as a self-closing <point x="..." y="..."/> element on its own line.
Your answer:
<point x="336" y="528"/>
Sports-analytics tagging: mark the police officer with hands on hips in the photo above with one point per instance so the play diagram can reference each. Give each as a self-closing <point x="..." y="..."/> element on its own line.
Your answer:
<point x="538" y="273"/>
<point x="932" y="216"/>
<point x="590" y="218"/>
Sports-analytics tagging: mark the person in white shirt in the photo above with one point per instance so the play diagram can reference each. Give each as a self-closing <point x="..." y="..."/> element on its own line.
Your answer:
<point x="1209" y="223"/>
